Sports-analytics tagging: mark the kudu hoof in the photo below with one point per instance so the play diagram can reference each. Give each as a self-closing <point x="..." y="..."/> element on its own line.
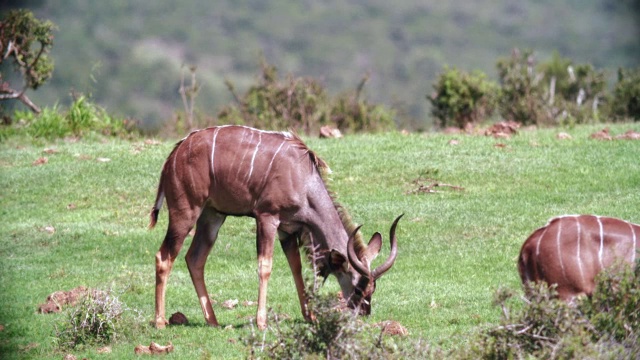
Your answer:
<point x="161" y="323"/>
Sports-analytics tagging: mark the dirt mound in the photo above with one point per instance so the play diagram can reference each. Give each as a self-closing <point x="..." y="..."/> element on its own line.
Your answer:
<point x="58" y="299"/>
<point x="601" y="135"/>
<point x="391" y="327"/>
<point x="327" y="132"/>
<point x="503" y="129"/>
<point x="178" y="319"/>
<point x="629" y="135"/>
<point x="153" y="349"/>
<point x="605" y="135"/>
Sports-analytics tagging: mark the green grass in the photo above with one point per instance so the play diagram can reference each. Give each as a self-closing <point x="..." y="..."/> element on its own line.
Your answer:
<point x="455" y="247"/>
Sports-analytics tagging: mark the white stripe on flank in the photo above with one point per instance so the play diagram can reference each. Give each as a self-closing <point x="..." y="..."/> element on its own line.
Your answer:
<point x="540" y="240"/>
<point x="253" y="158"/>
<point x="601" y="251"/>
<point x="271" y="163"/>
<point x="558" y="237"/>
<point x="213" y="147"/>
<point x="579" y="230"/>
<point x="243" y="146"/>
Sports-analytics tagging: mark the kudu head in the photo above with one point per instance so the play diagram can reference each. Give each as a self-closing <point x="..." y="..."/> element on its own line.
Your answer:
<point x="358" y="283"/>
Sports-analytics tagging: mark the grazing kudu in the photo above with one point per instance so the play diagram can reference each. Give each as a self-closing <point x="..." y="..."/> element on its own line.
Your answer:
<point x="571" y="250"/>
<point x="274" y="178"/>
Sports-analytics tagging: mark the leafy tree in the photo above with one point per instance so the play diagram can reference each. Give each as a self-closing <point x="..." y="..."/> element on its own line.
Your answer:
<point x="20" y="32"/>
<point x="462" y="98"/>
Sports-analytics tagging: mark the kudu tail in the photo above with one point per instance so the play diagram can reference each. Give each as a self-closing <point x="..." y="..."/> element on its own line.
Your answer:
<point x="156" y="207"/>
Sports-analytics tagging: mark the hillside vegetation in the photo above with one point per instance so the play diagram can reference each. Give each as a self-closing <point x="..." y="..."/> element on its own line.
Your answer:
<point x="128" y="55"/>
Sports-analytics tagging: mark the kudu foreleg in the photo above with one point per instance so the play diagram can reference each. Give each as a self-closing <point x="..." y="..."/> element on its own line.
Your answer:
<point x="206" y="234"/>
<point x="290" y="247"/>
<point x="266" y="234"/>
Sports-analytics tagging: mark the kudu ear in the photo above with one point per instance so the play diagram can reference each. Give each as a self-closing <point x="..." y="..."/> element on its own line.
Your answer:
<point x="373" y="249"/>
<point x="337" y="261"/>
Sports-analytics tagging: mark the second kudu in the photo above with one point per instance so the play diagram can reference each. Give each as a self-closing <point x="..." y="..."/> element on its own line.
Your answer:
<point x="571" y="250"/>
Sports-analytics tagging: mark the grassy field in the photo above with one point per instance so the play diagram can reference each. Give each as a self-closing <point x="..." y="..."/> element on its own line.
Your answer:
<point x="81" y="219"/>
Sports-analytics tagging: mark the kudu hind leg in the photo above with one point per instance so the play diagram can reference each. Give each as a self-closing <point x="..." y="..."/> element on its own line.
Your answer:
<point x="165" y="257"/>
<point x="206" y="234"/>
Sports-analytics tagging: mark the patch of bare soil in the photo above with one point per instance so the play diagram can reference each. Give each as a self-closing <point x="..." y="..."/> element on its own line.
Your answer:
<point x="601" y="135"/>
<point x="428" y="186"/>
<point x="605" y="135"/>
<point x="327" y="132"/>
<point x="391" y="327"/>
<point x="503" y="129"/>
<point x="58" y="299"/>
<point x="153" y="349"/>
<point x="629" y="135"/>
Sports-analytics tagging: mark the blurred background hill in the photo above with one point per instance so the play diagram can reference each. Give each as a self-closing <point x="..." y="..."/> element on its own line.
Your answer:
<point x="129" y="55"/>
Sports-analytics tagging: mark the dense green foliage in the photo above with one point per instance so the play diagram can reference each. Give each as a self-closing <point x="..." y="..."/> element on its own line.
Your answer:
<point x="462" y="99"/>
<point x="128" y="55"/>
<point x="626" y="94"/>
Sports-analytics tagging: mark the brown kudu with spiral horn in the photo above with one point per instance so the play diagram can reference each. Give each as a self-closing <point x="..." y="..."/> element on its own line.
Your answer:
<point x="273" y="177"/>
<point x="571" y="250"/>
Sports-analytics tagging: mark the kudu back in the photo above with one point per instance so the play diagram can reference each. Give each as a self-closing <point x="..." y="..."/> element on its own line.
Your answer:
<point x="571" y="250"/>
<point x="272" y="177"/>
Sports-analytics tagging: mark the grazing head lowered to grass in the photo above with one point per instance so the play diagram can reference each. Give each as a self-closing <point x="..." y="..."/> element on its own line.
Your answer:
<point x="571" y="250"/>
<point x="272" y="177"/>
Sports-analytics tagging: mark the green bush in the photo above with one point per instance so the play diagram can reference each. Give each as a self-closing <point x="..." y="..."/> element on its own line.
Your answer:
<point x="550" y="93"/>
<point x="81" y="118"/>
<point x="461" y="98"/>
<point x="626" y="95"/>
<point x="522" y="96"/>
<point x="573" y="91"/>
<point x="350" y="114"/>
<point x="302" y="104"/>
<point x="614" y="308"/>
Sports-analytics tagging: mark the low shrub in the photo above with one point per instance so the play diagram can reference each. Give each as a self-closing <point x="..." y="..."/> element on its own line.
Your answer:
<point x="335" y="333"/>
<point x="604" y="326"/>
<point x="99" y="318"/>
